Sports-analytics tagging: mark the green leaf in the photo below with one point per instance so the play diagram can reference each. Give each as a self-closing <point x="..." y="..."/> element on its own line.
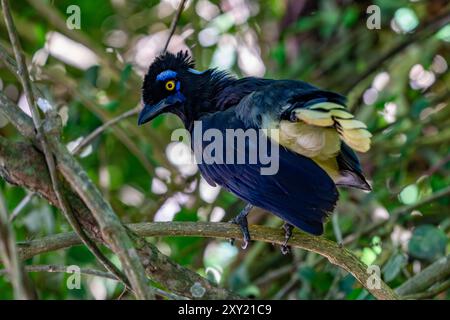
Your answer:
<point x="428" y="243"/>
<point x="368" y="256"/>
<point x="350" y="17"/>
<point x="394" y="266"/>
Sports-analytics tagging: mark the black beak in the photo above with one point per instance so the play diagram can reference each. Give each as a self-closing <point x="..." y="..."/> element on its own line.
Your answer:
<point x="149" y="112"/>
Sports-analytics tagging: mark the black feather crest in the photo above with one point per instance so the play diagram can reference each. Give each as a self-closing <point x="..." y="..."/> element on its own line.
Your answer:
<point x="170" y="61"/>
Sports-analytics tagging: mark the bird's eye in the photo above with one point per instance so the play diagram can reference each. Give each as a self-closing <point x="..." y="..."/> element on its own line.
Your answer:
<point x="170" y="85"/>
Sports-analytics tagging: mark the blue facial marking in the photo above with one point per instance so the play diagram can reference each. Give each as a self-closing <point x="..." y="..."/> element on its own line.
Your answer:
<point x="165" y="75"/>
<point x="178" y="86"/>
<point x="195" y="71"/>
<point x="176" y="97"/>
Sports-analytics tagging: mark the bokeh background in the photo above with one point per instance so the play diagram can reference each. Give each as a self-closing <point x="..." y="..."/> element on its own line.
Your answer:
<point x="397" y="81"/>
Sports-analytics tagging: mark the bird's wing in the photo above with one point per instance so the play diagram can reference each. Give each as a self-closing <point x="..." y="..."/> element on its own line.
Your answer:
<point x="329" y="117"/>
<point x="300" y="192"/>
<point x="318" y="126"/>
<point x="313" y="123"/>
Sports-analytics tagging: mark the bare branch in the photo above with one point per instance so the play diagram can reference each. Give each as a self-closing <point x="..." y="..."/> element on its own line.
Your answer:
<point x="111" y="228"/>
<point x="434" y="291"/>
<point x="173" y="24"/>
<point x="434" y="273"/>
<point x="23" y="288"/>
<point x="22" y="204"/>
<point x="98" y="131"/>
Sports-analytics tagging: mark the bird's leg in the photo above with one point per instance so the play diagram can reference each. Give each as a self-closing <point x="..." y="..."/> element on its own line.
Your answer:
<point x="287" y="235"/>
<point x="241" y="221"/>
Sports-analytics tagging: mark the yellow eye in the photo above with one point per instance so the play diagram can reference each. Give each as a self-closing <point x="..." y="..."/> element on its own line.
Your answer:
<point x="170" y="85"/>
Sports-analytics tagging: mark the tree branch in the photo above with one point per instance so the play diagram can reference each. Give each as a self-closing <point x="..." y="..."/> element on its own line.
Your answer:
<point x="21" y="164"/>
<point x="326" y="248"/>
<point x="23" y="203"/>
<point x="22" y="72"/>
<point x="433" y="291"/>
<point x="23" y="288"/>
<point x="173" y="24"/>
<point x="111" y="228"/>
<point x="99" y="130"/>
<point x="434" y="273"/>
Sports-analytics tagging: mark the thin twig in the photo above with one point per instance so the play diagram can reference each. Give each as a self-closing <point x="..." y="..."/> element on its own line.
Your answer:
<point x="336" y="228"/>
<point x="23" y="288"/>
<point x="287" y="287"/>
<point x="99" y="130"/>
<point x="173" y="24"/>
<point x="275" y="274"/>
<point x="26" y="84"/>
<point x="22" y="204"/>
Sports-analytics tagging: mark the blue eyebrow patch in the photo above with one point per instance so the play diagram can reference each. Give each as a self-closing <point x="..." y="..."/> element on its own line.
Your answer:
<point x="195" y="71"/>
<point x="165" y="75"/>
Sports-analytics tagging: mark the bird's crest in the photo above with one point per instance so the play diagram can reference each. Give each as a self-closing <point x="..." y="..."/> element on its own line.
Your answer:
<point x="169" y="61"/>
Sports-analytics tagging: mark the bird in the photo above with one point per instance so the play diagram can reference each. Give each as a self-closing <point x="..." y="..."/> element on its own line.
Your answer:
<point x="317" y="138"/>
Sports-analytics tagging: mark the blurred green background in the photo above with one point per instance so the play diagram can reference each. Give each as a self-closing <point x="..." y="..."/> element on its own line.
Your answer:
<point x="397" y="81"/>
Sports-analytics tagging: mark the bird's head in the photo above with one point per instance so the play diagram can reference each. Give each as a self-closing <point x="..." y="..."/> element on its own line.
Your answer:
<point x="173" y="85"/>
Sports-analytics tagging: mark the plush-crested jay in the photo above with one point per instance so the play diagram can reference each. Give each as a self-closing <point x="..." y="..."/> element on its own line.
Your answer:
<point x="316" y="137"/>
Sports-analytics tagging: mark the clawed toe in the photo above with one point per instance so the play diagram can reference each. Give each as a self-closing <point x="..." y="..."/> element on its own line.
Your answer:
<point x="287" y="235"/>
<point x="245" y="244"/>
<point x="284" y="249"/>
<point x="246" y="234"/>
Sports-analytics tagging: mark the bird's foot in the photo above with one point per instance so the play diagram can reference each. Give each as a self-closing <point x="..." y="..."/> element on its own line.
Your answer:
<point x="243" y="225"/>
<point x="241" y="221"/>
<point x="287" y="235"/>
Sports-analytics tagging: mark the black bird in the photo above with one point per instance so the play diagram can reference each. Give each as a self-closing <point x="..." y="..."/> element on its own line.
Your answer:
<point x="317" y="136"/>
